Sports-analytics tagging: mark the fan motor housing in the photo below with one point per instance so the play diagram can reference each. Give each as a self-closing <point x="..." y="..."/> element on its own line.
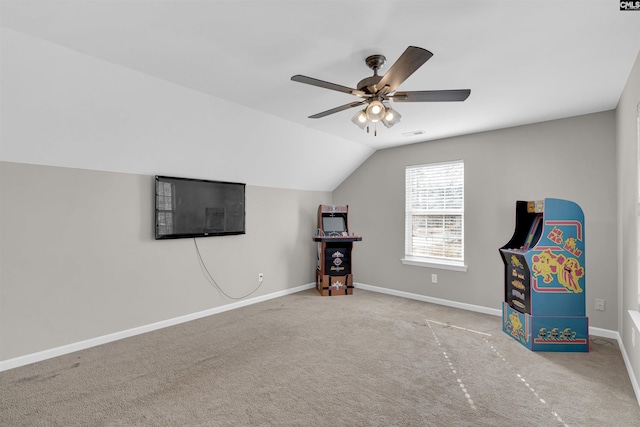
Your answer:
<point x="369" y="84"/>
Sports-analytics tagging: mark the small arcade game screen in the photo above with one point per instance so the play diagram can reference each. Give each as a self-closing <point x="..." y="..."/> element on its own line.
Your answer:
<point x="332" y="225"/>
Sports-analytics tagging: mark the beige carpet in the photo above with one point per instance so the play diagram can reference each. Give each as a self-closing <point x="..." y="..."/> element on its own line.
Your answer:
<point x="304" y="360"/>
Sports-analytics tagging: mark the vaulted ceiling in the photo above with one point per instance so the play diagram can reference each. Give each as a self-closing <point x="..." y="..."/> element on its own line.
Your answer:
<point x="524" y="61"/>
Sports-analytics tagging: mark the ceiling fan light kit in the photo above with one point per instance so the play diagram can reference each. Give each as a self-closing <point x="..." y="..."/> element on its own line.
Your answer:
<point x="360" y="119"/>
<point x="378" y="90"/>
<point x="375" y="111"/>
<point x="391" y="117"/>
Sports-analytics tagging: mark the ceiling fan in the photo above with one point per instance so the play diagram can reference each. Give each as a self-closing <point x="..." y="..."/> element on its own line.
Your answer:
<point x="377" y="91"/>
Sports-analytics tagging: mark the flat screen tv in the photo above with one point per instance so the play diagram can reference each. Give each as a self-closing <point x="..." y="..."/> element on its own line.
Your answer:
<point x="188" y="208"/>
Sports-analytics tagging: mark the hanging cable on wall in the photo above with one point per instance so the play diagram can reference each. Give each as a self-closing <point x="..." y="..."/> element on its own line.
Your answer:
<point x="213" y="281"/>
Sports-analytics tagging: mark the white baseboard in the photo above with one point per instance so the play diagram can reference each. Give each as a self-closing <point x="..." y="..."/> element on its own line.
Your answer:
<point x="627" y="362"/>
<point x="92" y="342"/>
<point x="635" y="318"/>
<point x="439" y="301"/>
<point x="606" y="333"/>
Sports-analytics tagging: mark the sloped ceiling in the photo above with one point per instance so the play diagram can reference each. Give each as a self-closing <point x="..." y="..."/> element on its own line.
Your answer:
<point x="524" y="61"/>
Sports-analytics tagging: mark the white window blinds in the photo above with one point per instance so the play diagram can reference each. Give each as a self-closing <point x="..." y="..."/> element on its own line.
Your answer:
<point x="435" y="211"/>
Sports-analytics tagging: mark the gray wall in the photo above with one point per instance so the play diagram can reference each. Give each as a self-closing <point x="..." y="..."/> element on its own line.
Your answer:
<point x="628" y="211"/>
<point x="79" y="259"/>
<point x="570" y="159"/>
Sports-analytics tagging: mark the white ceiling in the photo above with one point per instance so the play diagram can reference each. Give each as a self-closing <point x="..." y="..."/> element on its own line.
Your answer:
<point x="524" y="61"/>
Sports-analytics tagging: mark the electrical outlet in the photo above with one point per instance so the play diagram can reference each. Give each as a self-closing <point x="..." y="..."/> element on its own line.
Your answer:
<point x="434" y="278"/>
<point x="599" y="304"/>
<point x="260" y="277"/>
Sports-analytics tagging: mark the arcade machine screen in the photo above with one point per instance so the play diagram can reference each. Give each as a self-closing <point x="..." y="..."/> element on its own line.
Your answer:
<point x="333" y="225"/>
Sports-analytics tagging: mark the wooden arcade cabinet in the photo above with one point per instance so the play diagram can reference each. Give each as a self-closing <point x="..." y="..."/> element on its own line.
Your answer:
<point x="544" y="291"/>
<point x="333" y="270"/>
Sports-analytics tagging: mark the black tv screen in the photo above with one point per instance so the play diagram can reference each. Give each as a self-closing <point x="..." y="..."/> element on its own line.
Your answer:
<point x="198" y="208"/>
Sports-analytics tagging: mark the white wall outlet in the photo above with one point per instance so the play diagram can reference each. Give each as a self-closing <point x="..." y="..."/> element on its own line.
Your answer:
<point x="599" y="304"/>
<point x="260" y="277"/>
<point x="434" y="278"/>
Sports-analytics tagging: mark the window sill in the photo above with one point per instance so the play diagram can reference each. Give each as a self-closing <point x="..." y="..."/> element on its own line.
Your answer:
<point x="443" y="265"/>
<point x="635" y="316"/>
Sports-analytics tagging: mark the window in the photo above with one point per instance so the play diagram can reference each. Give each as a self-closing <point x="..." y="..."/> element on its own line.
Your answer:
<point x="434" y="222"/>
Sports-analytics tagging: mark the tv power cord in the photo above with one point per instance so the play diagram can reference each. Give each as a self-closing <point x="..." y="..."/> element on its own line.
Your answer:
<point x="213" y="281"/>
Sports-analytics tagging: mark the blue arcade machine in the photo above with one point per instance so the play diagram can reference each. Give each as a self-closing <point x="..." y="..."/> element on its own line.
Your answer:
<point x="544" y="305"/>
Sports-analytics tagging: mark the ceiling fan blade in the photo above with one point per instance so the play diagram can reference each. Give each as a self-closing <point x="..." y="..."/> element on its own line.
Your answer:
<point x="337" y="109"/>
<point x="326" y="85"/>
<point x="431" y="96"/>
<point x="410" y="60"/>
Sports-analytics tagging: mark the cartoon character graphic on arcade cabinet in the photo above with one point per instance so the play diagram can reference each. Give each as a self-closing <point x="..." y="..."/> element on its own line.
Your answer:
<point x="571" y="246"/>
<point x="515" y="262"/>
<point x="545" y="265"/>
<point x="567" y="270"/>
<point x="570" y="273"/>
<point x="568" y="335"/>
<point x="542" y="333"/>
<point x="515" y="325"/>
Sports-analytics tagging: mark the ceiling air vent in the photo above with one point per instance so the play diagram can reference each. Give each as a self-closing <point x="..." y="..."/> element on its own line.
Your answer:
<point x="414" y="133"/>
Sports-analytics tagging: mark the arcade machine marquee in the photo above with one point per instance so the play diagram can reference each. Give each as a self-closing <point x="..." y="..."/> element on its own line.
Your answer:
<point x="544" y="291"/>
<point x="333" y="270"/>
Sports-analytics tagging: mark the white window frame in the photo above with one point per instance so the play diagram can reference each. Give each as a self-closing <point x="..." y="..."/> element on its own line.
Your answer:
<point x="635" y="314"/>
<point x="638" y="201"/>
<point x="412" y="258"/>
